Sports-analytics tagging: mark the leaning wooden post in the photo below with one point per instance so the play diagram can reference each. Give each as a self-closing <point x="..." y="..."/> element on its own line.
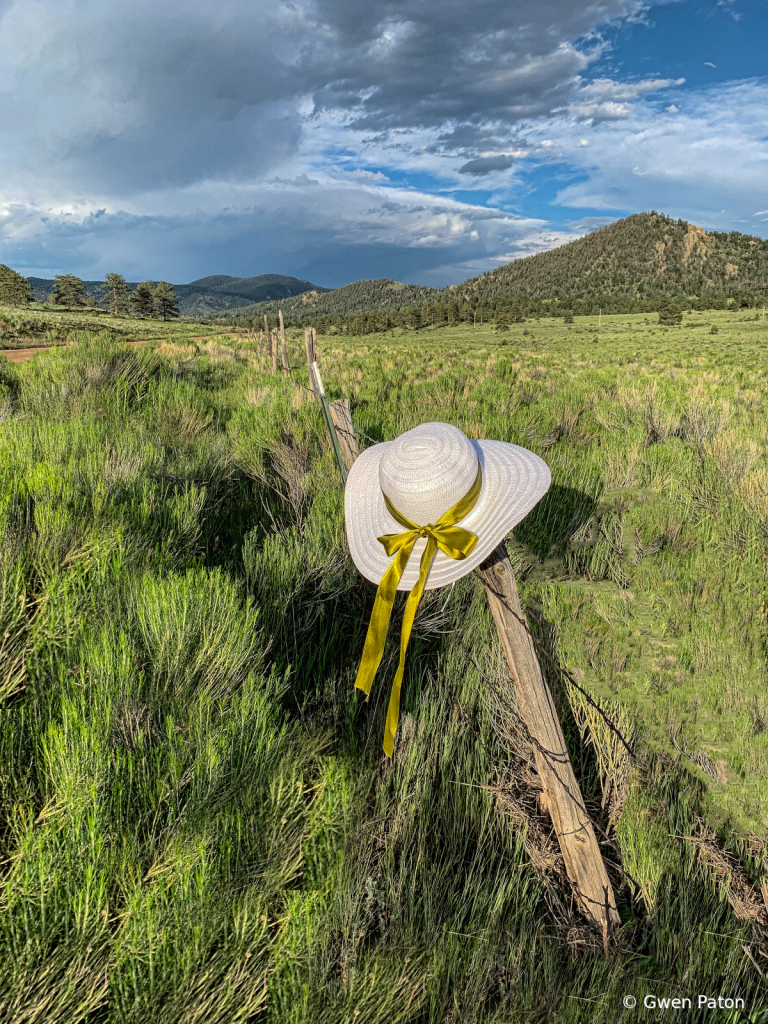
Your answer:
<point x="561" y="792"/>
<point x="274" y="350"/>
<point x="341" y="414"/>
<point x="329" y="423"/>
<point x="283" y="346"/>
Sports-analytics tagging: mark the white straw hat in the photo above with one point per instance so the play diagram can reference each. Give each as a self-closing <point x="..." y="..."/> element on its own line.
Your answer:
<point x="424" y="472"/>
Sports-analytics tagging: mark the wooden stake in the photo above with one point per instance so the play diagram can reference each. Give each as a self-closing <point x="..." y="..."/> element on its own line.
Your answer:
<point x="329" y="423"/>
<point x="581" y="853"/>
<point x="274" y="350"/>
<point x="283" y="347"/>
<point x="261" y="343"/>
<point x="341" y="414"/>
<point x="268" y="335"/>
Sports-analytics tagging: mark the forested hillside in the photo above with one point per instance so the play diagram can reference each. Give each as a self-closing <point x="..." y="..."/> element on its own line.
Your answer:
<point x="358" y="297"/>
<point x="637" y="264"/>
<point x="645" y="255"/>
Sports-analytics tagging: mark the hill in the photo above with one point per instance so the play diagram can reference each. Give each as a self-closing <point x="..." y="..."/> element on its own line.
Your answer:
<point x="208" y="295"/>
<point x="645" y="255"/>
<point x="349" y="300"/>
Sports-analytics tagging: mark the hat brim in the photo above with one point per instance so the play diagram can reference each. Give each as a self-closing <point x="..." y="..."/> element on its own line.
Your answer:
<point x="514" y="480"/>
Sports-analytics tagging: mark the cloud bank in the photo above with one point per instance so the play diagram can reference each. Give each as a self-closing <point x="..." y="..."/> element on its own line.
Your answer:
<point x="333" y="140"/>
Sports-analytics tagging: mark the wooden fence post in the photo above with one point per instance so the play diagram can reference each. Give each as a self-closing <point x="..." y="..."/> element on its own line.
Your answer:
<point x="311" y="357"/>
<point x="274" y="350"/>
<point x="283" y="346"/>
<point x="261" y="343"/>
<point x="268" y="335"/>
<point x="561" y="791"/>
<point x="341" y="414"/>
<point x="314" y="372"/>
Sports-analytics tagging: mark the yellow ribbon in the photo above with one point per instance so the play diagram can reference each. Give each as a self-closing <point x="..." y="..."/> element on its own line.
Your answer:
<point x="444" y="534"/>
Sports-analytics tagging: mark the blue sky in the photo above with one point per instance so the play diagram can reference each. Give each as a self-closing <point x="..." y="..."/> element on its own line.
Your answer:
<point x="426" y="140"/>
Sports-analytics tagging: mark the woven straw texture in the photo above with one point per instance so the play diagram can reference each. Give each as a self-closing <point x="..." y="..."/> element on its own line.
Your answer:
<point x="424" y="472"/>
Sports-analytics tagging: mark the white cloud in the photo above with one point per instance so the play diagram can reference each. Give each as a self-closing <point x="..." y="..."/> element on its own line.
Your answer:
<point x="607" y="100"/>
<point x="716" y="148"/>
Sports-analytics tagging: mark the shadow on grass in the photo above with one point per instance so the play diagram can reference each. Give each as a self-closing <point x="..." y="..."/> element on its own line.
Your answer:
<point x="559" y="514"/>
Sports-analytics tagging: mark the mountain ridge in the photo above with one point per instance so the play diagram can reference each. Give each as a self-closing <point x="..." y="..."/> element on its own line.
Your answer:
<point x="208" y="295"/>
<point x="638" y="261"/>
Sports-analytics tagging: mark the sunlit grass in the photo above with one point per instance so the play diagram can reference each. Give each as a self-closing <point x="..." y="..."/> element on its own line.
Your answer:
<point x="196" y="820"/>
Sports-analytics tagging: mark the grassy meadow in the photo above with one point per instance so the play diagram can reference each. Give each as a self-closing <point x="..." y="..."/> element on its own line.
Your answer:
<point x="197" y="822"/>
<point x="40" y="325"/>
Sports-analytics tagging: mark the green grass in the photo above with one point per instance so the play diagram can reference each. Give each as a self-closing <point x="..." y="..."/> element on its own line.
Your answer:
<point x="196" y="819"/>
<point x="39" y="325"/>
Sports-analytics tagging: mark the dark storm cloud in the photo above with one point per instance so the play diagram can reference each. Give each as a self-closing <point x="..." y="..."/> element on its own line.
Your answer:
<point x="485" y="164"/>
<point x="126" y="97"/>
<point x="424" y="63"/>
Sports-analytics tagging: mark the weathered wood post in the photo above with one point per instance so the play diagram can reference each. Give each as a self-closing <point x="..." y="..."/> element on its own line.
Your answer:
<point x="341" y="414"/>
<point x="283" y="346"/>
<point x="274" y="350"/>
<point x="560" y="789"/>
<point x="320" y="392"/>
<point x="268" y="335"/>
<point x="309" y="348"/>
<point x="261" y="343"/>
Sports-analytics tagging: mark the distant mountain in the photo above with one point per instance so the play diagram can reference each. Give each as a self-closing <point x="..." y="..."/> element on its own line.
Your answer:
<point x="208" y="295"/>
<point x="358" y="297"/>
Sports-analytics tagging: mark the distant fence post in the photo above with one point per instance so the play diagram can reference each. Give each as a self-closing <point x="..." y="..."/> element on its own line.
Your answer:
<point x="283" y="346"/>
<point x="311" y="357"/>
<point x="267" y="335"/>
<point x="274" y="350"/>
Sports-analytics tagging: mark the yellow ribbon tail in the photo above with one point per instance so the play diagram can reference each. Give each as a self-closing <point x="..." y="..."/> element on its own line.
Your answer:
<point x="393" y="712"/>
<point x="376" y="636"/>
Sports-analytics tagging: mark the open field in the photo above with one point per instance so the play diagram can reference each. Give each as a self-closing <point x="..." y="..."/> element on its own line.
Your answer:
<point x="195" y="813"/>
<point x="40" y="326"/>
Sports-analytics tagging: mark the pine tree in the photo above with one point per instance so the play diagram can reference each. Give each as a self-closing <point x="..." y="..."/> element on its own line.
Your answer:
<point x="68" y="290"/>
<point x="502" y="320"/>
<point x="116" y="293"/>
<point x="413" y="317"/>
<point x="567" y="316"/>
<point x="143" y="299"/>
<point x="166" y="303"/>
<point x="516" y="314"/>
<point x="15" y="290"/>
<point x="670" y="315"/>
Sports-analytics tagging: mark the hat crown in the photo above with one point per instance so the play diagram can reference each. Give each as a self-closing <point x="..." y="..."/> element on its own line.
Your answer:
<point x="427" y="470"/>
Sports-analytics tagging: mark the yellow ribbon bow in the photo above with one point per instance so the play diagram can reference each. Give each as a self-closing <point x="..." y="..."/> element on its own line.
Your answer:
<point x="444" y="534"/>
